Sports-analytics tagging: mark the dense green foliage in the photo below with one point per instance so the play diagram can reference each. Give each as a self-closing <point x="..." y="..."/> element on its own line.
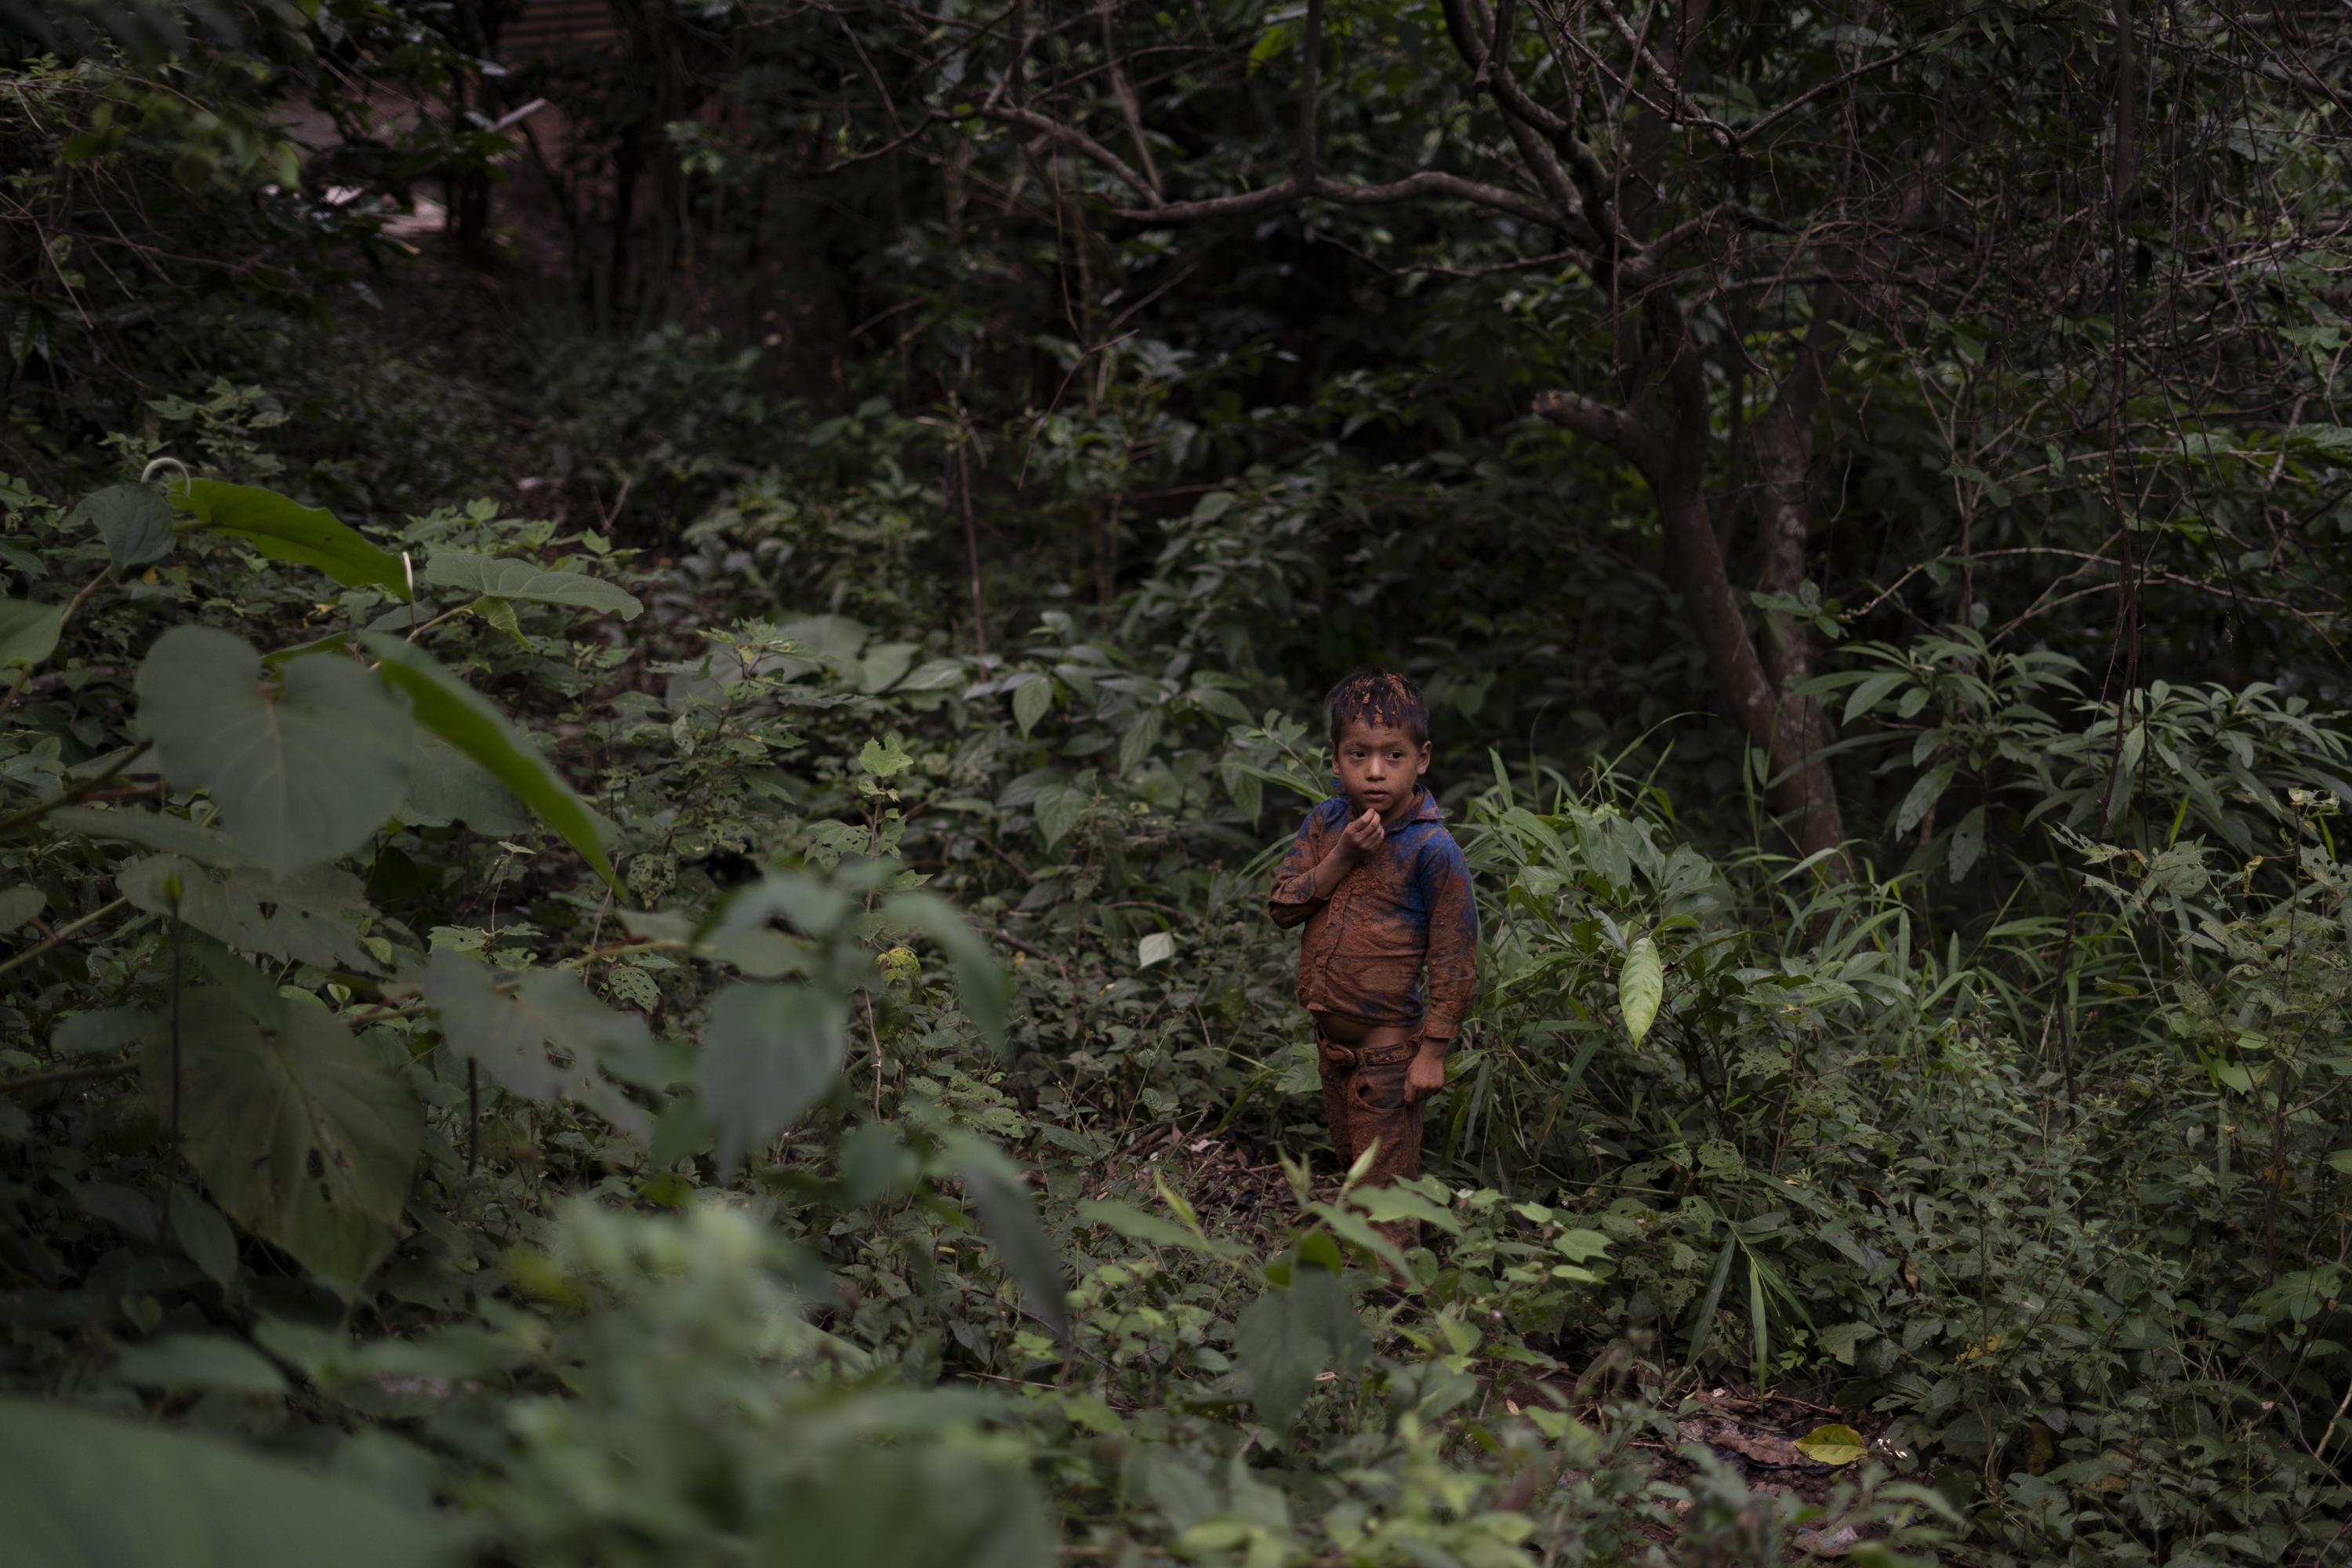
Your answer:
<point x="632" y="837"/>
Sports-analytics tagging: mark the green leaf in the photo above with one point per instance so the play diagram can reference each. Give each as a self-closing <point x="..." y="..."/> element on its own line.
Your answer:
<point x="909" y="1506"/>
<point x="28" y="632"/>
<point x="1150" y="1229"/>
<point x="444" y="785"/>
<point x="1157" y="947"/>
<point x="298" y="1133"/>
<point x="311" y="916"/>
<point x="1842" y="1339"/>
<point x="463" y="717"/>
<point x="154" y="830"/>
<point x="1925" y="792"/>
<point x="18" y="905"/>
<point x="463" y="571"/>
<point x="769" y="1053"/>
<point x="302" y="773"/>
<point x="1641" y="984"/>
<point x="1967" y="843"/>
<point x="997" y="1189"/>
<point x="83" y="1491"/>
<point x="2341" y="1162"/>
<point x="1288" y="1336"/>
<point x="885" y="757"/>
<point x="203" y="1234"/>
<point x="201" y="1362"/>
<point x="1058" y="811"/>
<point x="1142" y="734"/>
<point x="980" y="979"/>
<point x="1835" y="1444"/>
<point x="134" y="520"/>
<point x="284" y="530"/>
<point x="1029" y="701"/>
<point x="1872" y="691"/>
<point x="511" y="1035"/>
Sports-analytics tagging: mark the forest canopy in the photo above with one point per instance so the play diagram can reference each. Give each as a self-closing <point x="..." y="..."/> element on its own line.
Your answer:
<point x="653" y="657"/>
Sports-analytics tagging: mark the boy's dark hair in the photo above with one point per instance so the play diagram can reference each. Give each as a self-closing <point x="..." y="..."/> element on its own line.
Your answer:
<point x="1379" y="697"/>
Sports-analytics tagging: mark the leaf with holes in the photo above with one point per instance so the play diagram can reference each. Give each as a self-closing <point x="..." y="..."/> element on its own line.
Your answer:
<point x="283" y="530"/>
<point x="301" y="1137"/>
<point x="1641" y="984"/>
<point x="303" y="773"/>
<point x="769" y="1053"/>
<point x="517" y="1036"/>
<point x="311" y="916"/>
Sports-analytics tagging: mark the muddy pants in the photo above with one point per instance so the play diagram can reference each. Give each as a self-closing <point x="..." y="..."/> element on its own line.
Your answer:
<point x="1364" y="1098"/>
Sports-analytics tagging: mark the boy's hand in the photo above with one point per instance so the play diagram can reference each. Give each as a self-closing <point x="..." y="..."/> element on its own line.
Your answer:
<point x="1426" y="1074"/>
<point x="1361" y="837"/>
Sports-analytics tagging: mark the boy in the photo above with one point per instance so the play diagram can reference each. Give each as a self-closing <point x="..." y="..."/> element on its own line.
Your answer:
<point x="1382" y="889"/>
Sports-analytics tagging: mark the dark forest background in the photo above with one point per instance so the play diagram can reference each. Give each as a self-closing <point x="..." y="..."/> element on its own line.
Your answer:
<point x="654" y="654"/>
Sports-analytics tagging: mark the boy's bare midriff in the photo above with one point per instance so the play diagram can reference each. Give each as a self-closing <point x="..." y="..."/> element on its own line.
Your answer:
<point x="1352" y="1031"/>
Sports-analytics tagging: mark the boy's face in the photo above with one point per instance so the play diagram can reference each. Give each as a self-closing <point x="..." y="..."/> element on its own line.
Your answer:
<point x="1380" y="767"/>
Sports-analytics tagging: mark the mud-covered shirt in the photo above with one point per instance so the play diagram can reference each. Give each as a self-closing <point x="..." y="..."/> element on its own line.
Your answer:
<point x="1405" y="905"/>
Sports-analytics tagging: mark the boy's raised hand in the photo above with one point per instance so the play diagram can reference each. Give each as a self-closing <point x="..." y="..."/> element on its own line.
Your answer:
<point x="1362" y="835"/>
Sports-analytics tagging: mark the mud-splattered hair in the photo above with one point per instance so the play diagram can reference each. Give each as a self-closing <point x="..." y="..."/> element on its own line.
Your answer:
<point x="1379" y="697"/>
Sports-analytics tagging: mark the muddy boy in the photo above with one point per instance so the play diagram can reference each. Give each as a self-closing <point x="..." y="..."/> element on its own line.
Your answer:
<point x="1384" y="892"/>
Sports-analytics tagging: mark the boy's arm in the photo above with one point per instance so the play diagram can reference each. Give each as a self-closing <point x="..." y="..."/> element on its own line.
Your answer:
<point x="1327" y="848"/>
<point x="1452" y="946"/>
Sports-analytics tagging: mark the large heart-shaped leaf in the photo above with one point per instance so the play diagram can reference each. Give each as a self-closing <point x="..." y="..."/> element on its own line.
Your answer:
<point x="302" y="1138"/>
<point x="79" y="1489"/>
<point x="463" y="717"/>
<point x="509" y="1036"/>
<point x="135" y="522"/>
<point x="313" y="915"/>
<point x="285" y="530"/>
<point x="494" y="577"/>
<point x="303" y="770"/>
<point x="768" y="1053"/>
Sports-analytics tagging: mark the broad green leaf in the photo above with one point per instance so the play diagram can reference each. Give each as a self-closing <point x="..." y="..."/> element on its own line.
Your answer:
<point x="2341" y="1162"/>
<point x="302" y="773"/>
<point x="154" y="830"/>
<point x="1289" y="1335"/>
<point x="1001" y="1195"/>
<point x="84" y="1491"/>
<point x="28" y="632"/>
<point x="509" y="1036"/>
<point x="1929" y="788"/>
<point x="1058" y="811"/>
<point x="1872" y="689"/>
<point x="1967" y="843"/>
<point x="769" y="1053"/>
<point x="909" y="1506"/>
<point x="134" y="521"/>
<point x="202" y="1234"/>
<point x="285" y="530"/>
<point x="1640" y="984"/>
<point x="299" y="1135"/>
<point x="101" y="1032"/>
<point x="885" y="758"/>
<point x="503" y="577"/>
<point x="1141" y="734"/>
<point x="1835" y="1444"/>
<point x="882" y="665"/>
<point x="313" y="915"/>
<point x="980" y="980"/>
<point x="463" y="717"/>
<point x="1029" y="701"/>
<point x="18" y="905"/>
<point x="200" y="1363"/>
<point x="936" y="675"/>
<point x="1842" y="1339"/>
<point x="1157" y="947"/>
<point x="444" y="785"/>
<point x="1149" y="1228"/>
